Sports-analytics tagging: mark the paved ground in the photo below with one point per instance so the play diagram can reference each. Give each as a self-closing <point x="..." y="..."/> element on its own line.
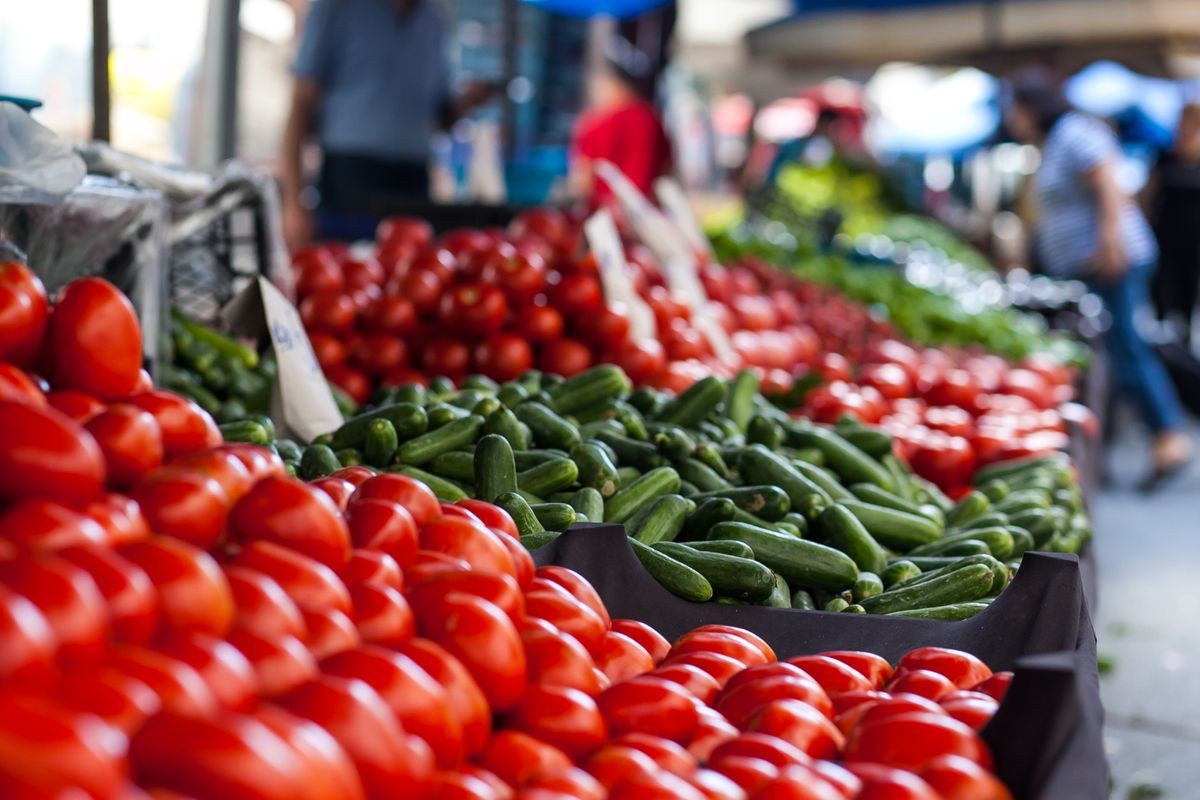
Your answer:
<point x="1148" y="625"/>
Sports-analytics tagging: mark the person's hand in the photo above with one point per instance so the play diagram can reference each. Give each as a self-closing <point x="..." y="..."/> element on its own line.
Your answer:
<point x="1109" y="261"/>
<point x="297" y="225"/>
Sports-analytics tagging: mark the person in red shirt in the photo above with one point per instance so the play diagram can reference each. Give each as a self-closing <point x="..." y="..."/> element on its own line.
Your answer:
<point x="621" y="126"/>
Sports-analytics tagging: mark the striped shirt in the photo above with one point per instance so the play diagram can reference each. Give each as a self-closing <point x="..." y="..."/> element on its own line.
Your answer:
<point x="1067" y="237"/>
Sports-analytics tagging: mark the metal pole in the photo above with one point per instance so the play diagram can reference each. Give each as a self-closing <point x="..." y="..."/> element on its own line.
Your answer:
<point x="101" y="96"/>
<point x="511" y="50"/>
<point x="227" y="80"/>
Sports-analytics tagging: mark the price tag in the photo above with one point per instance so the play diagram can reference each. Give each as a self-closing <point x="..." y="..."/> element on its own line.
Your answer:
<point x="301" y="402"/>
<point x="605" y="242"/>
<point x="671" y="196"/>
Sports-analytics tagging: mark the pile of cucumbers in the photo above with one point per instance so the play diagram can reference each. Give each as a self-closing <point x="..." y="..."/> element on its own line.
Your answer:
<point x="724" y="496"/>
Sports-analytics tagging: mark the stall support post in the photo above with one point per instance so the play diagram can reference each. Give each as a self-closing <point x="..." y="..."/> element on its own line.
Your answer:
<point x="101" y="96"/>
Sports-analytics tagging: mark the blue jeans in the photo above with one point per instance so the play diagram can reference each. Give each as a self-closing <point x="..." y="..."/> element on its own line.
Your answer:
<point x="1137" y="368"/>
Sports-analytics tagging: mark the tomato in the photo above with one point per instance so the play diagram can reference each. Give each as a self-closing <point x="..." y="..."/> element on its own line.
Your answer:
<point x="771" y="749"/>
<point x="698" y="682"/>
<point x="372" y="566"/>
<point x="650" y="705"/>
<point x="566" y="717"/>
<point x="604" y="328"/>
<point x="562" y="610"/>
<point x="225" y="467"/>
<point x="414" y="496"/>
<point x="555" y="658"/>
<point x="93" y="340"/>
<point x="418" y="701"/>
<point x="751" y="774"/>
<point x="258" y="461"/>
<point x="464" y="698"/>
<point x="382" y="614"/>
<point x="771" y="669"/>
<point x="469" y="541"/>
<point x="923" y="682"/>
<point x="482" y="637"/>
<point x="185" y="426"/>
<point x="361" y="273"/>
<point x="222" y="666"/>
<point x="720" y="667"/>
<point x="78" y="406"/>
<point x="127" y="590"/>
<point x="910" y="741"/>
<point x="353" y="382"/>
<point x="834" y="676"/>
<point x="851" y="700"/>
<point x="121" y="701"/>
<point x="444" y="356"/>
<point x="120" y="517"/>
<point x="891" y="380"/>
<point x="27" y="643"/>
<point x="328" y="349"/>
<point x="262" y="605"/>
<point x="621" y="658"/>
<point x="183" y="505"/>
<point x="421" y="287"/>
<point x="58" y="754"/>
<point x="330" y="631"/>
<point x="43" y="525"/>
<point x="517" y="757"/>
<point x="963" y="779"/>
<point x="954" y="387"/>
<point x="193" y="594"/>
<point x="317" y="268"/>
<point x="23" y="313"/>
<point x="962" y="669"/>
<point x="475" y="309"/>
<point x="973" y="709"/>
<point x="404" y="229"/>
<point x="571" y="782"/>
<point x="539" y="324"/>
<point x="614" y="763"/>
<point x="996" y="686"/>
<point x="651" y="640"/>
<point x="522" y="560"/>
<point x="741" y="702"/>
<point x="292" y="513"/>
<point x="68" y="598"/>
<point x="329" y="774"/>
<point x="15" y="385"/>
<point x="659" y="786"/>
<point x="750" y="637"/>
<point x="720" y="641"/>
<point x="427" y="591"/>
<point x="354" y="475"/>
<point x="800" y="725"/>
<point x="880" y="782"/>
<point x="642" y="361"/>
<point x="503" y="356"/>
<point x="460" y="786"/>
<point x="491" y="515"/>
<point x="946" y="460"/>
<point x="179" y="687"/>
<point x="391" y="314"/>
<point x="43" y="453"/>
<point x="577" y="294"/>
<point x="328" y="311"/>
<point x="565" y="357"/>
<point x="875" y="669"/>
<point x="665" y="753"/>
<point x="385" y="353"/>
<point x="281" y="662"/>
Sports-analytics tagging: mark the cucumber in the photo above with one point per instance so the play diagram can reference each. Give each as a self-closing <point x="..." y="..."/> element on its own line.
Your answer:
<point x="494" y="468"/>
<point x="801" y="563"/>
<point x="660" y="520"/>
<point x="728" y="547"/>
<point x="349" y="457"/>
<point x="802" y="600"/>
<point x="1024" y="500"/>
<point x="408" y="419"/>
<point x="647" y="401"/>
<point x="466" y="398"/>
<point x="768" y="502"/>
<point x="632" y="453"/>
<point x="289" y="450"/>
<point x="439" y="415"/>
<point x="512" y="394"/>
<point x="780" y="596"/>
<point x="902" y="478"/>
<point x="842" y="530"/>
<point x="694" y="404"/>
<point x="954" y="611"/>
<point x="824" y="479"/>
<point x="998" y="540"/>
<point x="503" y="422"/>
<point x="1039" y="522"/>
<point x="532" y="541"/>
<point x="675" y="576"/>
<point x="765" y="432"/>
<point x="481" y="382"/>
<point x="709" y="455"/>
<point x="455" y="465"/>
<point x="629" y="500"/>
<point x="700" y="475"/>
<point x="894" y="529"/>
<point x="836" y="605"/>
<point x="729" y="576"/>
<point x="870" y="493"/>
<point x="739" y="398"/>
<point x="548" y="477"/>
<point x="929" y="493"/>
<point x="999" y="571"/>
<point x="851" y="463"/>
<point x="446" y="490"/>
<point x="709" y="512"/>
<point x="521" y="513"/>
<point x="788" y="528"/>
<point x="246" y="431"/>
<point x="627" y="475"/>
<point x="588" y="502"/>
<point x="381" y="443"/>
<point x="965" y="547"/>
<point x="1007" y="469"/>
<point x="797" y="521"/>
<point x="525" y="459"/>
<point x="758" y="465"/>
<point x="899" y="572"/>
<point x="429" y="446"/>
<point x="595" y="468"/>
<point x="588" y="388"/>
<point x="872" y="441"/>
<point x="974" y="505"/>
<point x="589" y="430"/>
<point x="809" y="455"/>
<point x="409" y="393"/>
<point x="959" y="586"/>
<point x="531" y="380"/>
<point x="854" y="608"/>
<point x="995" y="490"/>
<point x="486" y="406"/>
<point x="554" y="516"/>
<point x="868" y="584"/>
<point x="317" y="462"/>
<point x="549" y="429"/>
<point x="988" y="520"/>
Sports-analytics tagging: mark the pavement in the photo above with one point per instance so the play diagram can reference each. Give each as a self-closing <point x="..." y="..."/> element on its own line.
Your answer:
<point x="1148" y="624"/>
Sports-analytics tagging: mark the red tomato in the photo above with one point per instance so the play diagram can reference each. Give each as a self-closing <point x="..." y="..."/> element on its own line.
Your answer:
<point x="339" y="490"/>
<point x="614" y="763"/>
<point x="330" y="351"/>
<point x="127" y="589"/>
<point x="464" y="698"/>
<point x="383" y="525"/>
<point x="946" y="460"/>
<point x="482" y="637"/>
<point x="962" y="669"/>
<point x="46" y="454"/>
<point x="382" y="615"/>
<point x="567" y="717"/>
<point x="418" y="701"/>
<point x="362" y="273"/>
<point x="666" y="754"/>
<point x="416" y="497"/>
<point x="621" y="658"/>
<point x="910" y="741"/>
<point x="604" y="328"/>
<point x="522" y="560"/>
<point x="521" y="276"/>
<point x="555" y="658"/>
<point x="651" y="640"/>
<point x="712" y="730"/>
<point x="642" y="361"/>
<point x="448" y="357"/>
<point x="949" y="419"/>
<point x="851" y="700"/>
<point x="771" y="749"/>
<point x="120" y="517"/>
<point x="262" y="605"/>
<point x="27" y="643"/>
<point x="538" y="323"/>
<point x="491" y="515"/>
<point x="43" y="525"/>
<point x="429" y="590"/>
<point x="93" y="340"/>
<point x="22" y="313"/>
<point x="329" y="632"/>
<point x="800" y="782"/>
<point x="973" y="709"/>
<point x="800" y="725"/>
<point x="875" y="669"/>
<point x="353" y="382"/>
<point x="517" y="757"/>
<point x="996" y="686"/>
<point x="329" y="311"/>
<point x="329" y="774"/>
<point x="702" y="685"/>
<point x="771" y="669"/>
<point x="78" y="406"/>
<point x="385" y="353"/>
<point x="309" y="582"/>
<point x="890" y="380"/>
<point x="193" y="594"/>
<point x="503" y="356"/>
<point x="185" y="426"/>
<point x="317" y="268"/>
<point x="423" y="288"/>
<point x="565" y="357"/>
<point x="391" y="315"/>
<point x="834" y="676"/>
<point x="963" y="779"/>
<point x="571" y="782"/>
<point x="720" y="667"/>
<point x="720" y="641"/>
<point x="751" y="774"/>
<point x="227" y="672"/>
<point x="226" y="468"/>
<point x="923" y="682"/>
<point x="741" y="702"/>
<point x="469" y="541"/>
<point x="650" y="705"/>
<point x="476" y="309"/>
<point x="741" y="633"/>
<point x="294" y="514"/>
<point x="68" y="598"/>
<point x="562" y="610"/>
<point x="355" y="475"/>
<point x="258" y="461"/>
<point x="404" y="229"/>
<point x="281" y="662"/>
<point x="954" y="387"/>
<point x="660" y="786"/>
<point x="121" y="701"/>
<point x="390" y="763"/>
<point x="183" y="505"/>
<point x="372" y="566"/>
<point x="577" y="294"/>
<point x="578" y="587"/>
<point x="15" y="385"/>
<point x="461" y="786"/>
<point x="179" y="687"/>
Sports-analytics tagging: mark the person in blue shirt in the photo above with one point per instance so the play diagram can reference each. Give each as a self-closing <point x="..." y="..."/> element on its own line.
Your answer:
<point x="371" y="87"/>
<point x="1092" y="230"/>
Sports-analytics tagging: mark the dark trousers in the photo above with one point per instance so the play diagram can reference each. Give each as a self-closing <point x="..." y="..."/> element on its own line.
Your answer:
<point x="357" y="191"/>
<point x="1177" y="284"/>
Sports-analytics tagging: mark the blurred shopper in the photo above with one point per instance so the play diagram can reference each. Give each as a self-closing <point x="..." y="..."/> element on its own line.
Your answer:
<point x="1091" y="229"/>
<point x="371" y="88"/>
<point x="621" y="126"/>
<point x="1175" y="212"/>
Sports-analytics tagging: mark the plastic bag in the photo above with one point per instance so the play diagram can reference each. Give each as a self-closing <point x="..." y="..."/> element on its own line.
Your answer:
<point x="36" y="166"/>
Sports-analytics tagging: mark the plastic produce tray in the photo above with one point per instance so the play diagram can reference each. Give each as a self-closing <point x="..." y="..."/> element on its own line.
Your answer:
<point x="1046" y="738"/>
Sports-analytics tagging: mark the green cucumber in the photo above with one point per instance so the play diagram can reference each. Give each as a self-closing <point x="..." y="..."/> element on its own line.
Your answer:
<point x="554" y="516"/>
<point x="381" y="443"/>
<point x="588" y="388"/>
<point x="959" y="586"/>
<point x="780" y="596"/>
<point x="709" y="455"/>
<point x="1039" y="522"/>
<point x="975" y="504"/>
<point x="480" y="382"/>
<point x="660" y="520"/>
<point x="532" y="541"/>
<point x="801" y="563"/>
<point x="995" y="490"/>
<point x="512" y="394"/>
<point x="929" y="493"/>
<point x="548" y="477"/>
<point x="765" y="501"/>
<point x="590" y="430"/>
<point x="729" y="576"/>
<point x="803" y="601"/>
<point x="493" y="467"/>
<point x="349" y="457"/>
<point x="836" y="605"/>
<point x="998" y="568"/>
<point x="289" y="450"/>
<point x="868" y="584"/>
<point x="693" y="404"/>
<point x="899" y="572"/>
<point x="486" y="407"/>
<point x="246" y="431"/>
<point x="988" y="520"/>
<point x="549" y="429"/>
<point x="788" y="528"/>
<point x="848" y="461"/>
<point x="700" y="475"/>
<point x="998" y="540"/>
<point x="870" y="493"/>
<point x="709" y="512"/>
<point x="797" y="521"/>
<point x="455" y="465"/>
<point x="632" y="453"/>
<point x="1022" y="541"/>
<point x="902" y="478"/>
<point x="675" y="576"/>
<point x="408" y="419"/>
<point x="952" y="612"/>
<point x="630" y="499"/>
<point x="503" y="422"/>
<point x="729" y="547"/>
<point x="526" y="459"/>
<point x="965" y="547"/>
<point x="739" y="398"/>
<point x="317" y="462"/>
<point x="466" y="398"/>
<point x="647" y="401"/>
<point x="429" y="446"/>
<point x="823" y="478"/>
<point x="522" y="514"/>
<point x="446" y="490"/>
<point x="439" y="415"/>
<point x="895" y="529"/>
<point x="1013" y="467"/>
<point x="627" y="475"/>
<point x="589" y="503"/>
<point x="763" y="431"/>
<point x="1024" y="500"/>
<point x="758" y="465"/>
<point x="874" y="442"/>
<point x="595" y="468"/>
<point x="839" y="528"/>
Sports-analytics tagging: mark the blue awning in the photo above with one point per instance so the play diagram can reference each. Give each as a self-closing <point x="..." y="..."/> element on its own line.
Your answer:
<point x="621" y="9"/>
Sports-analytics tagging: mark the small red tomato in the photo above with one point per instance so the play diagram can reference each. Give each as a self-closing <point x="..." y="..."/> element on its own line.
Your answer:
<point x="385" y="526"/>
<point x="572" y="782"/>
<point x="771" y="749"/>
<point x="721" y="667"/>
<point x="539" y="324"/>
<point x="227" y="672"/>
<point x="328" y="311"/>
<point x="185" y="426"/>
<point x="521" y="276"/>
<point x="642" y="361"/>
<point x="565" y="357"/>
<point x="391" y="314"/>
<point x="311" y="584"/>
<point x="650" y="705"/>
<point x="567" y="717"/>
<point x="330" y="351"/>
<point x="720" y="641"/>
<point x="69" y="600"/>
<point x="558" y="607"/>
<point x="193" y="594"/>
<point x="93" y="340"/>
<point x="120" y="517"/>
<point x="801" y="726"/>
<point x="417" y="498"/>
<point x="712" y="730"/>
<point x="372" y="566"/>
<point x="834" y="676"/>
<point x="464" y="698"/>
<point x="483" y="638"/>
<point x="910" y="741"/>
<point x="23" y="312"/>
<point x="578" y="587"/>
<point x="281" y="661"/>
<point x="263" y="606"/>
<point x="355" y="475"/>
<point x="353" y="382"/>
<point x="469" y="541"/>
<point x="963" y="779"/>
<point x="751" y="774"/>
<point x="339" y="491"/>
<point x="382" y="615"/>
<point x="740" y="703"/>
<point x="578" y="293"/>
<point x="43" y="525"/>
<point x="423" y="288"/>
<point x="328" y="771"/>
<point x="503" y="356"/>
<point x="258" y="461"/>
<point x="666" y="754"/>
<point x="329" y="632"/>
<point x="427" y="591"/>
<point x="183" y="505"/>
<point x="621" y="658"/>
<point x="962" y="669"/>
<point x="294" y="514"/>
<point x="613" y="764"/>
<point x="647" y="637"/>
<point x="225" y="467"/>
<point x="128" y="592"/>
<point x="79" y="406"/>
<point x="120" y="700"/>
<point x="923" y="682"/>
<point x="875" y="669"/>
<point x="45" y="454"/>
<point x="317" y="268"/>
<point x="692" y="678"/>
<point x="448" y="357"/>
<point x="476" y="309"/>
<point x="517" y="757"/>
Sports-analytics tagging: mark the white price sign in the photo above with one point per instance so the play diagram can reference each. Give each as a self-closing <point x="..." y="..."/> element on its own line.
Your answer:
<point x="605" y="242"/>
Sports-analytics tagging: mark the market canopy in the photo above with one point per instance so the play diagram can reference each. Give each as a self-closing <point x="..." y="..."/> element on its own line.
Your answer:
<point x="1152" y="36"/>
<point x="621" y="9"/>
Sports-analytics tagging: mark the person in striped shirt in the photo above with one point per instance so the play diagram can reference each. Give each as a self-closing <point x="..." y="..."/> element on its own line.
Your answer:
<point x="1092" y="230"/>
